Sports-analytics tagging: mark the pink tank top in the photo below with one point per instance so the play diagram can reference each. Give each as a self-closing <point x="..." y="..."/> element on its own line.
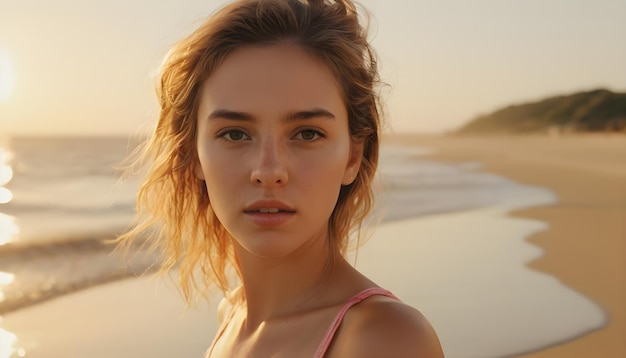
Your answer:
<point x="330" y="333"/>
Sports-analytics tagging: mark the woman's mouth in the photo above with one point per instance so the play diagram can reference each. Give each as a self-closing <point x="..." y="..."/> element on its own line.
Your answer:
<point x="269" y="210"/>
<point x="269" y="217"/>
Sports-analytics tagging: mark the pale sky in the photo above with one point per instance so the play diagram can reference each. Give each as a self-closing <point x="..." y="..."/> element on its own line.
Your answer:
<point x="84" y="67"/>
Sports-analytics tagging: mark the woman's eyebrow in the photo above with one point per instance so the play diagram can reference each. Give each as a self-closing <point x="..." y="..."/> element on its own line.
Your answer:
<point x="232" y="115"/>
<point x="313" y="113"/>
<point x="221" y="113"/>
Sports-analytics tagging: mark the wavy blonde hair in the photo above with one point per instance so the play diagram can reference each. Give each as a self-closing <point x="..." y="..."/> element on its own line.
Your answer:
<point x="174" y="214"/>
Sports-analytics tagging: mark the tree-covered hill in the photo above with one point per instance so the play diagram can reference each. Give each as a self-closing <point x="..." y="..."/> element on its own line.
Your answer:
<point x="594" y="111"/>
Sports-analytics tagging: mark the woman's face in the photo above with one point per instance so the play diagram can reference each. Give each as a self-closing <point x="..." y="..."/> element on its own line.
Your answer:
<point x="274" y="147"/>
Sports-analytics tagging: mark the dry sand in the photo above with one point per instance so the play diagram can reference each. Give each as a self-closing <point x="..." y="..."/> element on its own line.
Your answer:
<point x="585" y="246"/>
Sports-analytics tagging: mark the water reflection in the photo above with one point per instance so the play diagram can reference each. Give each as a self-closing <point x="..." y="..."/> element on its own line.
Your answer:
<point x="7" y="345"/>
<point x="8" y="339"/>
<point x="6" y="172"/>
<point x="8" y="227"/>
<point x="5" y="280"/>
<point x="8" y="231"/>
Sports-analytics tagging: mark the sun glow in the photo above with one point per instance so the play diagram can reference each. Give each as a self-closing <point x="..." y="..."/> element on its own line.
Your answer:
<point x="7" y="76"/>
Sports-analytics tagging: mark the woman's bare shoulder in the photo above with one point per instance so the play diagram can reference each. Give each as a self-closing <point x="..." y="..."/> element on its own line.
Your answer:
<point x="383" y="327"/>
<point x="227" y="304"/>
<point x="222" y="309"/>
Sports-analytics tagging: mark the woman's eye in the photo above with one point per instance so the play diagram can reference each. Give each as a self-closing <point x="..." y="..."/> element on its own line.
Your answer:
<point x="234" y="135"/>
<point x="309" y="135"/>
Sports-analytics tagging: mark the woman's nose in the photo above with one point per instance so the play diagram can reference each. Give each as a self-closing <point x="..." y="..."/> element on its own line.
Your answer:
<point x="270" y="168"/>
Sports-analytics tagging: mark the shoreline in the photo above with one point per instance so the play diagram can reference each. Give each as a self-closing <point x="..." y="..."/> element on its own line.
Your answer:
<point x="585" y="243"/>
<point x="425" y="261"/>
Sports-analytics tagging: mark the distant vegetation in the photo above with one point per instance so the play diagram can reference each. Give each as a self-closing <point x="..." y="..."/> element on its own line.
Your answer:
<point x="593" y="111"/>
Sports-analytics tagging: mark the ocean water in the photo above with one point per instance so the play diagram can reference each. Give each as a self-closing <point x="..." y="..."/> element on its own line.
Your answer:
<point x="59" y="198"/>
<point x="64" y="196"/>
<point x="66" y="188"/>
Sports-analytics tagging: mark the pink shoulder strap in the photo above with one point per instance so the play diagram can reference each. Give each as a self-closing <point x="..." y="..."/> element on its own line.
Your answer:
<point x="330" y="333"/>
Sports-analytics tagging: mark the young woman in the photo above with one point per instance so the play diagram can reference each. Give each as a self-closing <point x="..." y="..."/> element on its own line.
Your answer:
<point x="262" y="161"/>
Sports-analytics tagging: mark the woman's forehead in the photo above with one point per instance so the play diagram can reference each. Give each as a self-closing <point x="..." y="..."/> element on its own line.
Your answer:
<point x="278" y="75"/>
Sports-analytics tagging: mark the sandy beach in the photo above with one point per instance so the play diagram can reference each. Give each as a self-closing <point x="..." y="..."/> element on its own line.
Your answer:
<point x="585" y="245"/>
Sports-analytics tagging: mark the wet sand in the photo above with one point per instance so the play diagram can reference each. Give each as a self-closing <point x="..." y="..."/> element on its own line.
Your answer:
<point x="585" y="246"/>
<point x="143" y="317"/>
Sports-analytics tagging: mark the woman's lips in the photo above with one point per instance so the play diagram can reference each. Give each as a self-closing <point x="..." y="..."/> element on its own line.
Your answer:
<point x="268" y="218"/>
<point x="269" y="212"/>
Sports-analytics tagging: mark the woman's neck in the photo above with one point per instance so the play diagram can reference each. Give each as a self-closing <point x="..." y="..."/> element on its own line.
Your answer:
<point x="278" y="287"/>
